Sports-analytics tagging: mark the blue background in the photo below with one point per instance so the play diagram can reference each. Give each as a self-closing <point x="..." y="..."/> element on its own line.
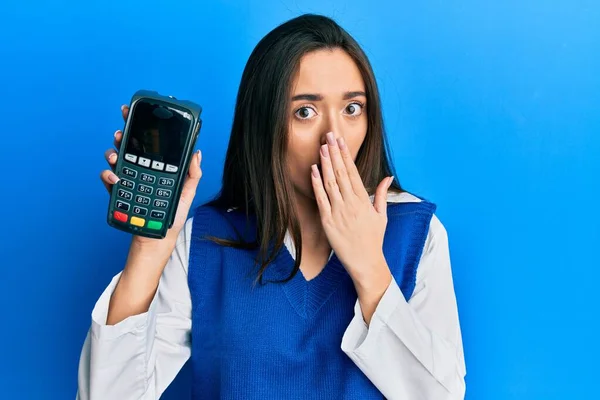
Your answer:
<point x="492" y="107"/>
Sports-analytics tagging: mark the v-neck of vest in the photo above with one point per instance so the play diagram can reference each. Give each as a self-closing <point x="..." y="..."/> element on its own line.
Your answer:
<point x="308" y="296"/>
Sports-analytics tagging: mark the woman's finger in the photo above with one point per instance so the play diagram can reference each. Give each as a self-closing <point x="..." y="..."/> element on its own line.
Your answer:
<point x="339" y="168"/>
<point x="124" y="111"/>
<point x="353" y="175"/>
<point x="188" y="192"/>
<point x="119" y="133"/>
<point x="118" y="139"/>
<point x="380" y="200"/>
<point x="331" y="185"/>
<point x="108" y="179"/>
<point x="111" y="157"/>
<point x="320" y="193"/>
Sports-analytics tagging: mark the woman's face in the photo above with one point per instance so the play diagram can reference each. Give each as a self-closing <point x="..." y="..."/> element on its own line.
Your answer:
<point x="328" y="95"/>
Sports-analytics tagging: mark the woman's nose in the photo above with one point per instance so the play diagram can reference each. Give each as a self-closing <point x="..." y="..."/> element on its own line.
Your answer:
<point x="335" y="135"/>
<point x="331" y="125"/>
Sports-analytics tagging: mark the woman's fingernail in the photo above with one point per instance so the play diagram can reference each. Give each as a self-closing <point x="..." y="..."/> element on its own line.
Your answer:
<point x="315" y="170"/>
<point x="324" y="151"/>
<point x="117" y="132"/>
<point x="199" y="156"/>
<point x="341" y="143"/>
<point x="391" y="180"/>
<point x="330" y="139"/>
<point x="113" y="178"/>
<point x="123" y="107"/>
<point x="112" y="157"/>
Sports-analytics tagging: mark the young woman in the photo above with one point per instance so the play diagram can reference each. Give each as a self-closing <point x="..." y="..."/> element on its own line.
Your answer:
<point x="312" y="275"/>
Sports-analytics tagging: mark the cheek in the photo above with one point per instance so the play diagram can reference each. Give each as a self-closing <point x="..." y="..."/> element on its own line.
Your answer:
<point x="355" y="139"/>
<point x="301" y="153"/>
<point x="354" y="145"/>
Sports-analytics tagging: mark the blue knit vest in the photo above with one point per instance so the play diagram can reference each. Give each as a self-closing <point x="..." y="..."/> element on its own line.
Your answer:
<point x="281" y="341"/>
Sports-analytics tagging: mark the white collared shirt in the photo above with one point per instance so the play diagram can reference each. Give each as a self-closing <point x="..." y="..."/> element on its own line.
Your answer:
<point x="411" y="350"/>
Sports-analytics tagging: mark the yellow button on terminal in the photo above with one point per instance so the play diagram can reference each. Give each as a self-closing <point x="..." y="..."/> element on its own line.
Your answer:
<point x="137" y="221"/>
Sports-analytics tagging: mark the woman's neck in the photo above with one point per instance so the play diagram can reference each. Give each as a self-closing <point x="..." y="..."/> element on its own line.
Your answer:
<point x="314" y="240"/>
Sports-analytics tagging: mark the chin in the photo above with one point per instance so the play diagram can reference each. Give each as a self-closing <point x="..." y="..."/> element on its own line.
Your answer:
<point x="308" y="193"/>
<point x="304" y="190"/>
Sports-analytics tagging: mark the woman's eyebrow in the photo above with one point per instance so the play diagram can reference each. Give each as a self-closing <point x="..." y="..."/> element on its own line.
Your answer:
<point x="308" y="97"/>
<point x="319" y="97"/>
<point x="351" y="95"/>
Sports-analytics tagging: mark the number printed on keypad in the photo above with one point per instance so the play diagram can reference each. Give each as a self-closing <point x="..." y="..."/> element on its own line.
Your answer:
<point x="142" y="200"/>
<point x="145" y="189"/>
<point x="166" y="181"/>
<point x="126" y="183"/>
<point x="140" y="210"/>
<point x="125" y="194"/>
<point x="160" y="203"/>
<point x="147" y="178"/>
<point x="163" y="193"/>
<point x="129" y="172"/>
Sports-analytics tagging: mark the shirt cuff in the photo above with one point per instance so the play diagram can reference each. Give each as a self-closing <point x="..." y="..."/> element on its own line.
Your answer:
<point x="136" y="324"/>
<point x="359" y="338"/>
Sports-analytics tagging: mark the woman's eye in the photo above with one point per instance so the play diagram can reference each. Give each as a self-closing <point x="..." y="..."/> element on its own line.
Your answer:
<point x="354" y="109"/>
<point x="305" y="113"/>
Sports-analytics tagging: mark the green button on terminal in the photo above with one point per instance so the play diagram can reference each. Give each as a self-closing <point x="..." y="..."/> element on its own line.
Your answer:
<point x="154" y="225"/>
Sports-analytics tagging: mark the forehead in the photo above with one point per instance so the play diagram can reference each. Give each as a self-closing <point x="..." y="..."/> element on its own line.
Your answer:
<point x="327" y="72"/>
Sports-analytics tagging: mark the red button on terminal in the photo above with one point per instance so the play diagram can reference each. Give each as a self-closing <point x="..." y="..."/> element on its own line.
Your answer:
<point x="119" y="216"/>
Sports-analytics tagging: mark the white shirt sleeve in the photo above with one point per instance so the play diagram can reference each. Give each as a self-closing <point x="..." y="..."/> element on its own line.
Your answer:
<point x="414" y="350"/>
<point x="141" y="355"/>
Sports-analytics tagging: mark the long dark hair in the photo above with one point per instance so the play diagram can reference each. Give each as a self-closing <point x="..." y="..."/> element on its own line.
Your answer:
<point x="254" y="176"/>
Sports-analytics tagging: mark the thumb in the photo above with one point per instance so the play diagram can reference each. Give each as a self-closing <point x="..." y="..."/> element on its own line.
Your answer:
<point x="380" y="201"/>
<point x="191" y="181"/>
